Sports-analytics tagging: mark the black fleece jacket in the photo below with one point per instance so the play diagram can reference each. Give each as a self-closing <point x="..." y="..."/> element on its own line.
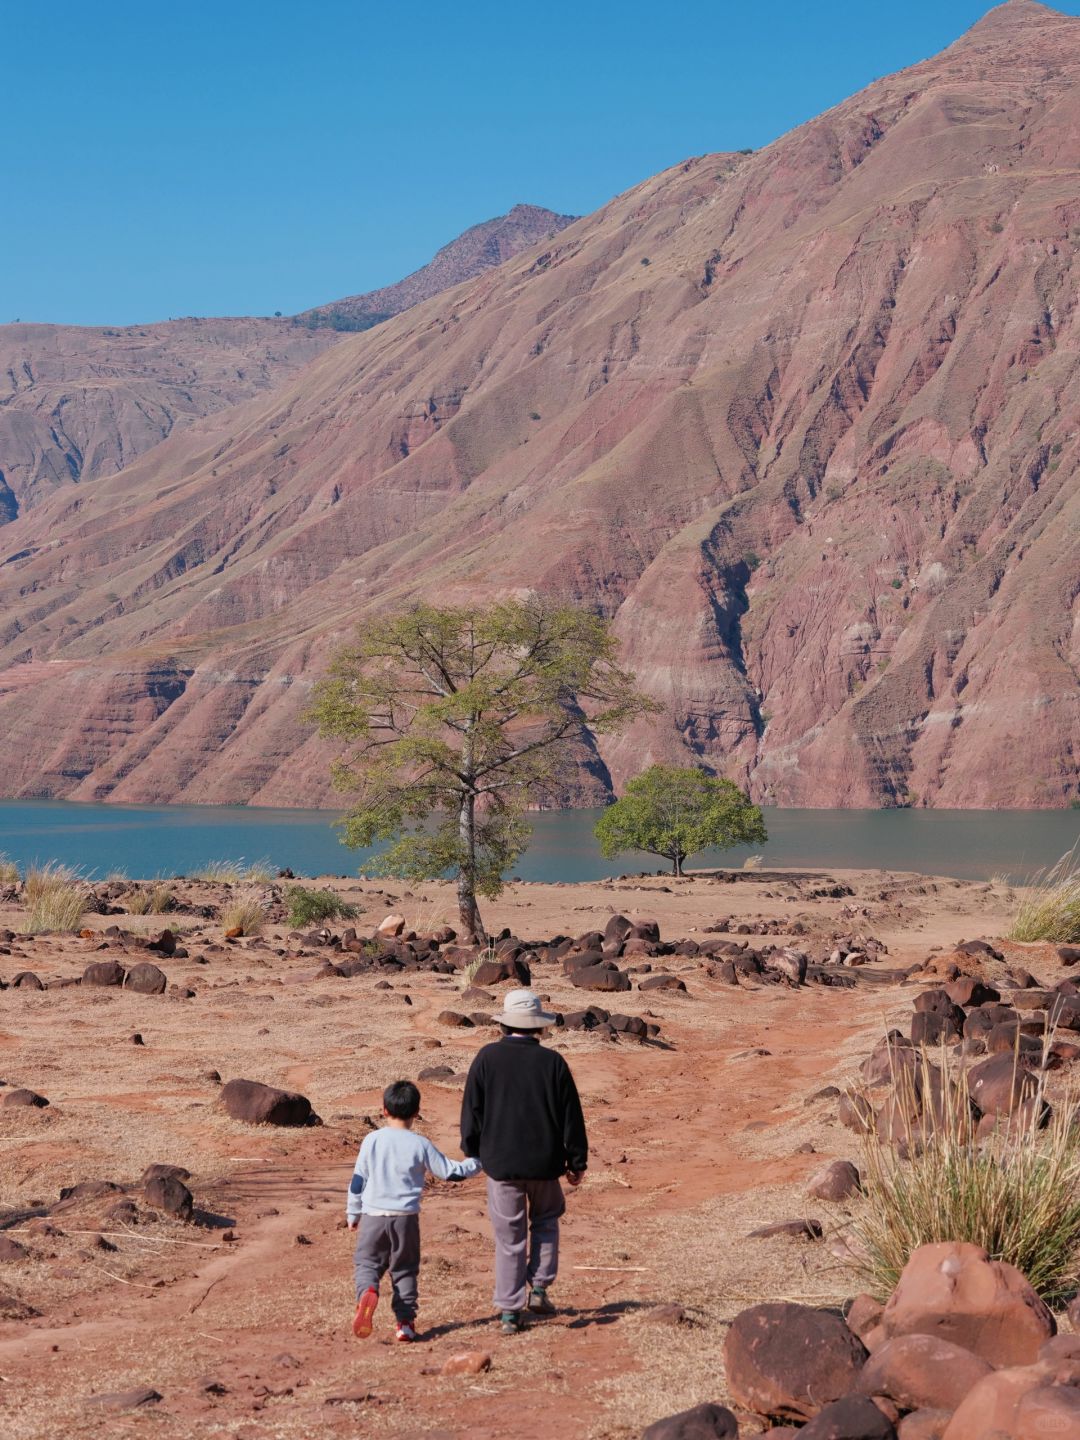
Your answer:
<point x="521" y="1114"/>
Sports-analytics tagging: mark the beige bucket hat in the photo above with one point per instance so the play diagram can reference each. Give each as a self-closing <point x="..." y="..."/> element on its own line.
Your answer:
<point x="524" y="1011"/>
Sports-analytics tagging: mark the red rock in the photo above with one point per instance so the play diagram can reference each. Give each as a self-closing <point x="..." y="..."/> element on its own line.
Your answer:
<point x="955" y="1292"/>
<point x="455" y="1018"/>
<point x="922" y="1372"/>
<point x="794" y="1229"/>
<point x="125" y="1399"/>
<point x="999" y="1084"/>
<point x="466" y="1362"/>
<point x="1051" y="1412"/>
<point x="703" y="1422"/>
<point x="11" y="1249"/>
<point x="15" y="1098"/>
<point x="146" y="979"/>
<point x="27" y="980"/>
<point x="923" y="1425"/>
<point x="863" y="1315"/>
<point x="786" y="1361"/>
<point x="158" y="1171"/>
<point x="258" y="1104"/>
<point x="989" y="1409"/>
<point x="855" y="1112"/>
<point x="170" y="1194"/>
<point x="103" y="972"/>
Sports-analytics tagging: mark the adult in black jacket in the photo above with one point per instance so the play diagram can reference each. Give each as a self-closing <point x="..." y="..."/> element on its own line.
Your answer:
<point x="521" y="1116"/>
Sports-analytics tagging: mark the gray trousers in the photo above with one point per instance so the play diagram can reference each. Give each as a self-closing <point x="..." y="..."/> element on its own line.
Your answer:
<point x="524" y="1215"/>
<point x="389" y="1242"/>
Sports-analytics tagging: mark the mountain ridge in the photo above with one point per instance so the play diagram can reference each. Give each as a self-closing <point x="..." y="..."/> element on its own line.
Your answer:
<point x="801" y="422"/>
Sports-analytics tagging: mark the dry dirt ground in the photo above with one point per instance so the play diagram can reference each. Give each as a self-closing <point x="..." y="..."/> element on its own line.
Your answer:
<point x="242" y="1322"/>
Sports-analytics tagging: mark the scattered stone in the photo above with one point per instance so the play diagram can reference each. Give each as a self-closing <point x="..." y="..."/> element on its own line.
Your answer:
<point x="158" y="1171"/>
<point x="467" y="1362"/>
<point x="125" y="1399"/>
<point x="258" y="1104"/>
<point x="145" y="979"/>
<point x="855" y="1112"/>
<point x="103" y="972"/>
<point x="999" y="1084"/>
<point x="170" y="1194"/>
<point x="666" y="1315"/>
<point x="796" y="1229"/>
<point x="391" y="927"/>
<point x="454" y="1017"/>
<point x="358" y="1395"/>
<point x="31" y="1098"/>
<point x="11" y="1249"/>
<point x="836" y="1182"/>
<point x="27" y="980"/>
<point x="600" y="977"/>
<point x="786" y="1361"/>
<point x="661" y="982"/>
<point x="209" y="1386"/>
<point x="864" y="1316"/>
<point x="703" y="1422"/>
<point x="954" y="1291"/>
<point x="924" y="1425"/>
<point x="14" y="1308"/>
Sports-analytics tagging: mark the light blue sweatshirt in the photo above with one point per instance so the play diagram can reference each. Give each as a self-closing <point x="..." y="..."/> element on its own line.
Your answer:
<point x="390" y="1170"/>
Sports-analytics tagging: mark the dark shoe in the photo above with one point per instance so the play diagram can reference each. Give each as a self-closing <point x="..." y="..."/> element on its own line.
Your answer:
<point x="364" y="1318"/>
<point x="511" y="1322"/>
<point x="539" y="1304"/>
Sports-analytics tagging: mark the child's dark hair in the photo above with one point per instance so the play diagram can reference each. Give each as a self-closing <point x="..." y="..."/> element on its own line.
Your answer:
<point x="401" y="1100"/>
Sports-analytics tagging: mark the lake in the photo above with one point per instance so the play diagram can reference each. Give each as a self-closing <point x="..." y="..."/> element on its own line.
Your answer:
<point x="145" y="841"/>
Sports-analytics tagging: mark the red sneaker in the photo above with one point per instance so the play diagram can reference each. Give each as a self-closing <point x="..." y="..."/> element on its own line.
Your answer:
<point x="405" y="1332"/>
<point x="364" y="1318"/>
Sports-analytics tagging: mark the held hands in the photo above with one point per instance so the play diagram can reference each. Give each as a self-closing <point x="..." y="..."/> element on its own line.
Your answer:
<point x="575" y="1177"/>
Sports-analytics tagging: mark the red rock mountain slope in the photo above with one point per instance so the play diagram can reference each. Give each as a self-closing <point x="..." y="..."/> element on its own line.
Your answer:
<point x="804" y="422"/>
<point x="480" y="248"/>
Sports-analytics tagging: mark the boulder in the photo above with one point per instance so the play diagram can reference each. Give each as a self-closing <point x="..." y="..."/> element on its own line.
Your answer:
<point x="1050" y="1411"/>
<point x="146" y="979"/>
<point x="454" y="1018"/>
<point x="27" y="980"/>
<point x="791" y="965"/>
<point x="864" y="1315"/>
<point x="989" y="1410"/>
<point x="892" y="1056"/>
<point x="999" y="1084"/>
<point x="512" y="968"/>
<point x="967" y="991"/>
<point x="103" y="972"/>
<point x="936" y="1027"/>
<point x="661" y="982"/>
<point x="644" y="929"/>
<point x="852" y="1418"/>
<point x="158" y="1171"/>
<point x="600" y="977"/>
<point x="923" y="1425"/>
<point x="11" y="1249"/>
<point x="616" y="930"/>
<point x="786" y="1361"/>
<point x="392" y="926"/>
<point x="31" y="1098"/>
<point x="855" y="1112"/>
<point x="922" y="1372"/>
<point x="258" y="1104"/>
<point x="703" y="1422"/>
<point x="169" y="1194"/>
<point x="954" y="1291"/>
<point x="838" y="1181"/>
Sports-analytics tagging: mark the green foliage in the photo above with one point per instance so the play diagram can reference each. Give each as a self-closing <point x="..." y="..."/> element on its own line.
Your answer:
<point x="752" y="560"/>
<point x="671" y="811"/>
<point x="311" y="907"/>
<point x="337" y="319"/>
<point x="460" y="718"/>
<point x="897" y="584"/>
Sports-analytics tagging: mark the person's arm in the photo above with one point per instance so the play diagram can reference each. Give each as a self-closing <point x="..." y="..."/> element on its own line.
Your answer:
<point x="472" y="1109"/>
<point x="356" y="1187"/>
<point x="443" y="1168"/>
<point x="575" y="1140"/>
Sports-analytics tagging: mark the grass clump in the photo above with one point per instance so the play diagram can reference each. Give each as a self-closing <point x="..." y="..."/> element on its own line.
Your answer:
<point x="1016" y="1192"/>
<point x="56" y="897"/>
<point x="468" y="975"/>
<point x="235" y="872"/>
<point x="10" y="874"/>
<point x="310" y="907"/>
<point x="156" y="900"/>
<point x="245" y="913"/>
<point x="1051" y="908"/>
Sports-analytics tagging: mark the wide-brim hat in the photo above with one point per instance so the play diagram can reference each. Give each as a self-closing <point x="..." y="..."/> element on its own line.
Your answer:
<point x="524" y="1011"/>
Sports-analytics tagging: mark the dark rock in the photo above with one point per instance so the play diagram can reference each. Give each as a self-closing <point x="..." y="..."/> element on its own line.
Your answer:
<point x="103" y="972"/>
<point x="170" y="1194"/>
<point x="703" y="1422"/>
<point x="628" y="1025"/>
<point x="997" y="1085"/>
<point x="795" y="1229"/>
<point x="932" y="1027"/>
<point x="967" y="991"/>
<point x="853" y="1418"/>
<point x="855" y="1112"/>
<point x="86" y="1190"/>
<point x="11" y="1249"/>
<point x="31" y="1098"/>
<point x="786" y="1361"/>
<point x="616" y="930"/>
<point x="512" y="969"/>
<point x="164" y="944"/>
<point x="125" y="1399"/>
<point x="1068" y="954"/>
<point x="158" y="1171"/>
<point x="27" y="980"/>
<point x="661" y="982"/>
<point x="836" y="1182"/>
<point x="146" y="979"/>
<point x="453" y="1017"/>
<point x="600" y="977"/>
<point x="258" y="1104"/>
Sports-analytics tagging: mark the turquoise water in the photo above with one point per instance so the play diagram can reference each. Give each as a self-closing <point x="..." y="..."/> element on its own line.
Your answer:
<point x="172" y="840"/>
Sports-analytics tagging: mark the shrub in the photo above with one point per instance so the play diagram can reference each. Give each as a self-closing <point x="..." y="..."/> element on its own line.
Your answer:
<point x="9" y="871"/>
<point x="309" y="907"/>
<point x="1017" y="1193"/>
<point x="246" y="912"/>
<point x="56" y="896"/>
<point x="1051" y="908"/>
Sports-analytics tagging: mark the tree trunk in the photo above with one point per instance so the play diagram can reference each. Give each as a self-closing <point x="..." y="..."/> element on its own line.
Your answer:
<point x="468" y="911"/>
<point x="676" y="864"/>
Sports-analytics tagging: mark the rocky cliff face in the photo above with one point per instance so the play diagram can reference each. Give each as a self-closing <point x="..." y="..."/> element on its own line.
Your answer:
<point x="804" y="422"/>
<point x="480" y="248"/>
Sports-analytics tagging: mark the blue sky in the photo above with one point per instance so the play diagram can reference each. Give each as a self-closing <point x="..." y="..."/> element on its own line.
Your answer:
<point x="166" y="159"/>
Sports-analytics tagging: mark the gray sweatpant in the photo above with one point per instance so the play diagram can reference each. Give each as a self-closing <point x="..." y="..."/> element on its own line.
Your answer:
<point x="524" y="1215"/>
<point x="389" y="1242"/>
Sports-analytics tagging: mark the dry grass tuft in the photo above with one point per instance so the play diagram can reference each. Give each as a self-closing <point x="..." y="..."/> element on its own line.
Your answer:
<point x="1051" y="908"/>
<point x="246" y="912"/>
<point x="236" y="872"/>
<point x="56" y="897"/>
<point x="753" y="862"/>
<point x="155" y="900"/>
<point x="468" y="975"/>
<point x="1016" y="1193"/>
<point x="10" y="873"/>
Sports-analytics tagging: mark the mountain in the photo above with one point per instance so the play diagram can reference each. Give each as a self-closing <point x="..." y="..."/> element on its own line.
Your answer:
<point x="804" y="422"/>
<point x="478" y="249"/>
<point x="79" y="402"/>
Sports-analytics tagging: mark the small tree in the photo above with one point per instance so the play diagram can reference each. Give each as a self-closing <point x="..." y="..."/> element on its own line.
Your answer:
<point x="671" y="811"/>
<point x="463" y="717"/>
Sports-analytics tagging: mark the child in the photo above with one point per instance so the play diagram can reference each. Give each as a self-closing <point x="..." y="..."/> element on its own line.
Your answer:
<point x="386" y="1189"/>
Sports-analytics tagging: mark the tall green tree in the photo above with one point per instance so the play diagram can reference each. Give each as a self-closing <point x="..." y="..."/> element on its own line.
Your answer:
<point x="454" y="720"/>
<point x="672" y="811"/>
